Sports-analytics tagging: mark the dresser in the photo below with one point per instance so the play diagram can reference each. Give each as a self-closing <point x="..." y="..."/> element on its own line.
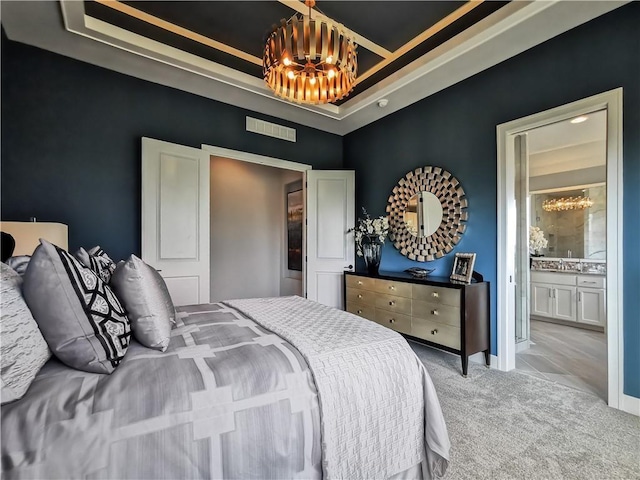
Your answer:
<point x="450" y="316"/>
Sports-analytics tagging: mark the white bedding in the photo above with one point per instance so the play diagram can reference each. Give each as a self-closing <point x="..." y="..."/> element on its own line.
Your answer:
<point x="379" y="409"/>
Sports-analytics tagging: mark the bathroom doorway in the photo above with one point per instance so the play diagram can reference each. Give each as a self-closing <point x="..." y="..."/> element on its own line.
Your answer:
<point x="561" y="337"/>
<point x="514" y="218"/>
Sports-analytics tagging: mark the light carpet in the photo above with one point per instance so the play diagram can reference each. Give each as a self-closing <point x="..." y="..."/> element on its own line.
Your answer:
<point x="510" y="425"/>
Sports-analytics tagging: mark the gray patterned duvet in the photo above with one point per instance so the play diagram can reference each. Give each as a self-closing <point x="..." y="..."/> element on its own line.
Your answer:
<point x="231" y="399"/>
<point x="227" y="399"/>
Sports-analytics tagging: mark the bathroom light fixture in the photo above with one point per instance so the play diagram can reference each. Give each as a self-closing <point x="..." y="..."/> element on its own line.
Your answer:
<point x="570" y="203"/>
<point x="580" y="119"/>
<point x="310" y="60"/>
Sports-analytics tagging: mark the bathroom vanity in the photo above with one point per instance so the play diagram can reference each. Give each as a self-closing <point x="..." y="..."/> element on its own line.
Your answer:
<point x="569" y="290"/>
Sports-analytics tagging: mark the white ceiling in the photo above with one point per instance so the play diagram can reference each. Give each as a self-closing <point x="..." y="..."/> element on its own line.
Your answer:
<point x="511" y="30"/>
<point x="565" y="146"/>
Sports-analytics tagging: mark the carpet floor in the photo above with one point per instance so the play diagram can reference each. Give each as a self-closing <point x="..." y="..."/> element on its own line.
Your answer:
<point x="510" y="425"/>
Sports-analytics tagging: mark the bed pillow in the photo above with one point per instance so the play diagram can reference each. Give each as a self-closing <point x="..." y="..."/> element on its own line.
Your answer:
<point x="23" y="349"/>
<point x="78" y="314"/>
<point x="146" y="300"/>
<point x="19" y="264"/>
<point x="98" y="261"/>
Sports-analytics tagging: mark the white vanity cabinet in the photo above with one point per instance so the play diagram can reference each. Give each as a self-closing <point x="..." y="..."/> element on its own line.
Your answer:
<point x="568" y="297"/>
<point x="553" y="296"/>
<point x="591" y="300"/>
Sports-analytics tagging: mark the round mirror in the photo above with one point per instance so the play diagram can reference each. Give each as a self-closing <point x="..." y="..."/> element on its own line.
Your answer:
<point x="427" y="214"/>
<point x="423" y="214"/>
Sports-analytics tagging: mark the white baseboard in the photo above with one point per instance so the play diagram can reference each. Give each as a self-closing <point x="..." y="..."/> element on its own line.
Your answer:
<point x="479" y="358"/>
<point x="630" y="404"/>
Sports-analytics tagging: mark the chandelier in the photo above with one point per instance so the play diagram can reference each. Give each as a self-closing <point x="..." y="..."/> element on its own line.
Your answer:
<point x="309" y="60"/>
<point x="571" y="203"/>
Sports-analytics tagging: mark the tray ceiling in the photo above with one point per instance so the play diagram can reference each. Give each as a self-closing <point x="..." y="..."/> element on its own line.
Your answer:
<point x="407" y="50"/>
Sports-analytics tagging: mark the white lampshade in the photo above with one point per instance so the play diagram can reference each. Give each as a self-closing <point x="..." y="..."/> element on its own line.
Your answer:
<point x="28" y="234"/>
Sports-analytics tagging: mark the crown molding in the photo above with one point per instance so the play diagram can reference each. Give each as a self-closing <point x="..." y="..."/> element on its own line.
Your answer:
<point x="511" y="30"/>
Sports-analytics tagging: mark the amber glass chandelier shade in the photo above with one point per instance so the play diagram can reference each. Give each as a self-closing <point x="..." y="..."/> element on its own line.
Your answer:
<point x="310" y="61"/>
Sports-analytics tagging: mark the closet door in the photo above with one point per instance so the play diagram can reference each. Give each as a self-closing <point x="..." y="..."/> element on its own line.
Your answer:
<point x="175" y="218"/>
<point x="330" y="249"/>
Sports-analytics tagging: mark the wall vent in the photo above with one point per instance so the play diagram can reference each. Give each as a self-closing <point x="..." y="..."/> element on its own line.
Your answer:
<point x="271" y="129"/>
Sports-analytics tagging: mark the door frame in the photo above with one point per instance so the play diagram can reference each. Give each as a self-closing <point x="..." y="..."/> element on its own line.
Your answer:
<point x="506" y="132"/>
<point x="241" y="156"/>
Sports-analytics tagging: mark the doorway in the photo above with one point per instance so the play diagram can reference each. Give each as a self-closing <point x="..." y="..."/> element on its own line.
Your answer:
<point x="510" y="296"/>
<point x="257" y="214"/>
<point x="562" y="268"/>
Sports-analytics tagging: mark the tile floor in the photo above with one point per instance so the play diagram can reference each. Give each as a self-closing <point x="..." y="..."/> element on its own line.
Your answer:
<point x="571" y="356"/>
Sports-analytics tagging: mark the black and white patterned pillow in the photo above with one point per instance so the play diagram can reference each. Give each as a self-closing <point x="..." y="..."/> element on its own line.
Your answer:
<point x="98" y="261"/>
<point x="78" y="314"/>
<point x="19" y="264"/>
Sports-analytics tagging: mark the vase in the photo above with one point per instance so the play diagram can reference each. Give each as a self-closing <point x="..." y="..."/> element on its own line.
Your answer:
<point x="372" y="253"/>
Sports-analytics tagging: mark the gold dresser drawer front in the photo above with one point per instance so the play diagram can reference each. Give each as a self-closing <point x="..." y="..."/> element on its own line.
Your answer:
<point x="447" y="296"/>
<point x="437" y="312"/>
<point x="395" y="321"/>
<point x="436" y="332"/>
<point x="392" y="303"/>
<point x="366" y="297"/>
<point x="365" y="311"/>
<point x="364" y="283"/>
<point x="390" y="287"/>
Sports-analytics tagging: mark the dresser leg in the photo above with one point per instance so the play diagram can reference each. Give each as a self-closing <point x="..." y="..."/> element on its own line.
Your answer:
<point x="465" y="365"/>
<point x="487" y="358"/>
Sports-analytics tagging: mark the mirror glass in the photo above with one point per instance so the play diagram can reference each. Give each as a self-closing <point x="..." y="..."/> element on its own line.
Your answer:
<point x="423" y="214"/>
<point x="572" y="232"/>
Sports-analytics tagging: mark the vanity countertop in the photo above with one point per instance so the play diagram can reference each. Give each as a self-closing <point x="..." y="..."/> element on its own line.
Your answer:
<point x="582" y="266"/>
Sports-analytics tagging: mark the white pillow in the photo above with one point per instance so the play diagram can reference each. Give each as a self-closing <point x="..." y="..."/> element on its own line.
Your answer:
<point x="23" y="349"/>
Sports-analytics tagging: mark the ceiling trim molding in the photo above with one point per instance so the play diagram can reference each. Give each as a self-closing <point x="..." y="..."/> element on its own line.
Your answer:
<point x="183" y="32"/>
<point x="509" y="31"/>
<point x="422" y="37"/>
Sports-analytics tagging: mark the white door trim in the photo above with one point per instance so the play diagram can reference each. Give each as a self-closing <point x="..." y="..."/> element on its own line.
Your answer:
<point x="612" y="102"/>
<point x="254" y="158"/>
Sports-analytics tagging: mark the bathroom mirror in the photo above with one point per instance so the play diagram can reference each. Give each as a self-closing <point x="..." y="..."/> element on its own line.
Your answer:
<point x="572" y="231"/>
<point x="427" y="214"/>
<point x="423" y="214"/>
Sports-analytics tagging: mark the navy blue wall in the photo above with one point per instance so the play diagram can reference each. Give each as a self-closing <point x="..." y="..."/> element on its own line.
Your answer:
<point x="71" y="142"/>
<point x="456" y="129"/>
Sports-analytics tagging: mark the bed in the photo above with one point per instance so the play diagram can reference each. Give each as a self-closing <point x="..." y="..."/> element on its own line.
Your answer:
<point x="257" y="388"/>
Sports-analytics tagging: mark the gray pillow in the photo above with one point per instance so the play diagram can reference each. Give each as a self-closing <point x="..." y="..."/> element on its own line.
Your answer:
<point x="23" y="349"/>
<point x="146" y="299"/>
<point x="78" y="314"/>
<point x="98" y="261"/>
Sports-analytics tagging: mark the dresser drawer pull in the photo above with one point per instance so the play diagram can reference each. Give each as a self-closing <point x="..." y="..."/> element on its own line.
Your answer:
<point x="391" y="287"/>
<point x="359" y="312"/>
<point x="434" y="331"/>
<point x="392" y="303"/>
<point x="435" y="312"/>
<point x="359" y="295"/>
<point x="359" y="282"/>
<point x="392" y="320"/>
<point x="435" y="294"/>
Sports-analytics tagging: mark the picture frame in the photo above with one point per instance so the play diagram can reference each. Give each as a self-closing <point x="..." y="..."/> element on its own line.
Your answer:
<point x="295" y="216"/>
<point x="463" y="267"/>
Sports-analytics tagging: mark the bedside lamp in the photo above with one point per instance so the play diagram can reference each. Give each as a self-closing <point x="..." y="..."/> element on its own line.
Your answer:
<point x="28" y="234"/>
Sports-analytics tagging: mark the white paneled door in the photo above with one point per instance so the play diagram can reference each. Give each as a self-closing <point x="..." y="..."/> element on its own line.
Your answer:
<point x="330" y="249"/>
<point x="175" y="218"/>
